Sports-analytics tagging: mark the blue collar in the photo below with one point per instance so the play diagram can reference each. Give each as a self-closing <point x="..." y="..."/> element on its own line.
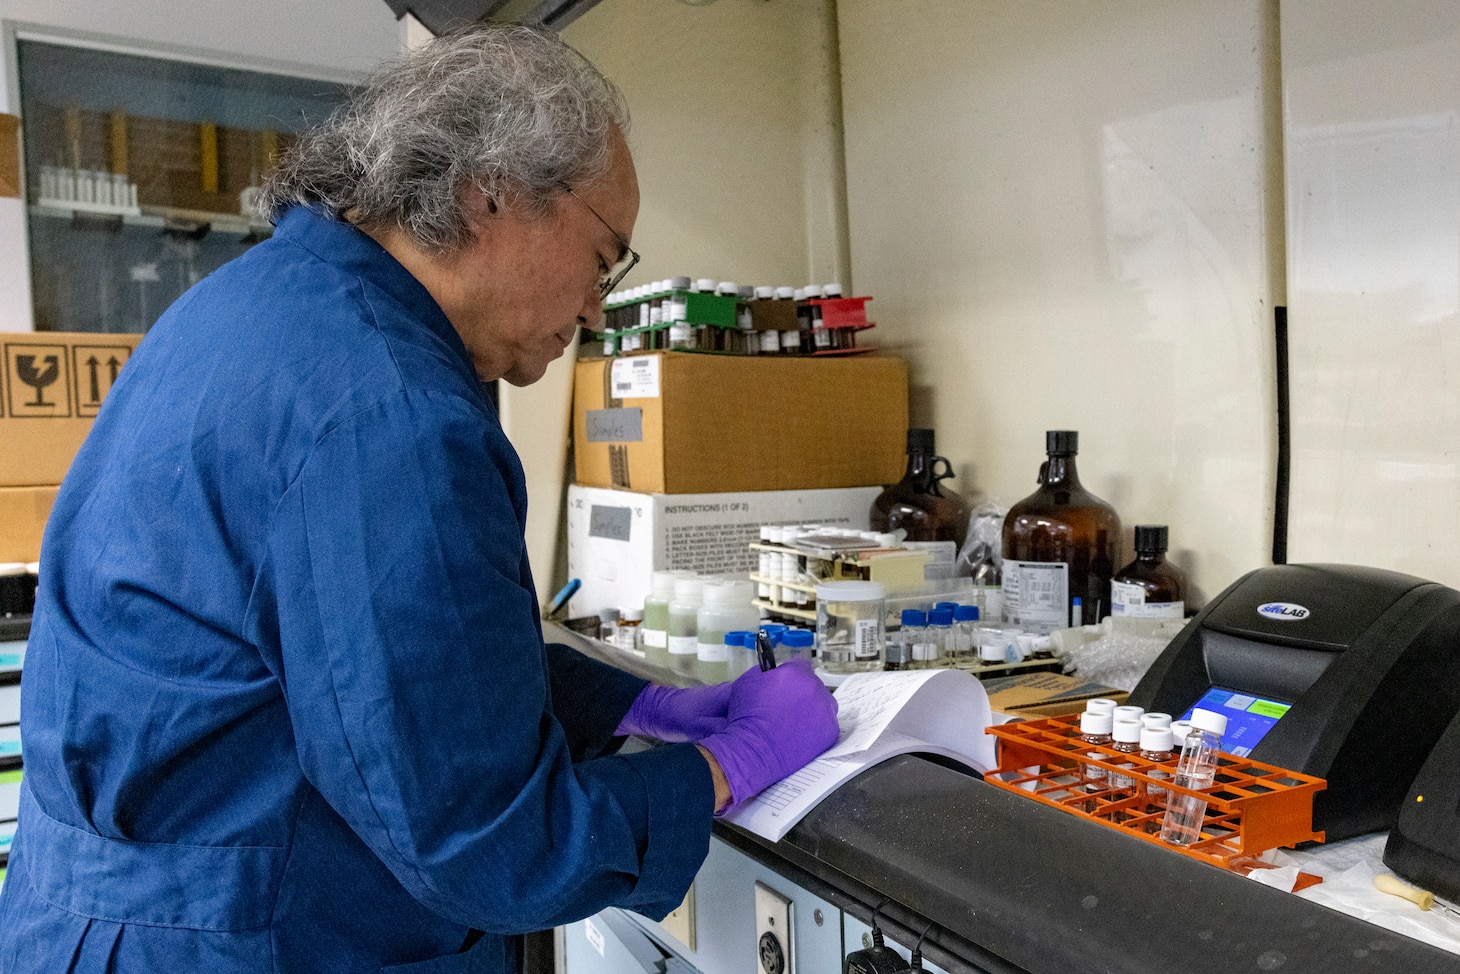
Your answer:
<point x="351" y="249"/>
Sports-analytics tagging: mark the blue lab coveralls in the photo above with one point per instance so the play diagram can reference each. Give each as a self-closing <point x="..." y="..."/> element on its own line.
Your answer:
<point x="286" y="705"/>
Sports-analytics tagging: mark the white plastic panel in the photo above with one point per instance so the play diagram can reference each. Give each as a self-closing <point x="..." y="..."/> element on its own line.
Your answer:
<point x="1372" y="122"/>
<point x="1060" y="210"/>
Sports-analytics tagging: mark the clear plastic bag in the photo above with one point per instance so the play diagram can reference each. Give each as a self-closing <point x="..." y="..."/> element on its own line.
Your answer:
<point x="982" y="555"/>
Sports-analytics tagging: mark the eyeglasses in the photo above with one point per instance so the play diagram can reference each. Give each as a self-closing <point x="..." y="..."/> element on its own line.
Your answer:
<point x="608" y="281"/>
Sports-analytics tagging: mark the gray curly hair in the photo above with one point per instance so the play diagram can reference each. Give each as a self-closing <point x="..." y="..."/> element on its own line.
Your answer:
<point x="508" y="110"/>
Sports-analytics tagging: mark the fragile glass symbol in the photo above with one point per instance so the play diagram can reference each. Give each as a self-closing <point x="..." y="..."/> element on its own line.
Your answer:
<point x="37" y="379"/>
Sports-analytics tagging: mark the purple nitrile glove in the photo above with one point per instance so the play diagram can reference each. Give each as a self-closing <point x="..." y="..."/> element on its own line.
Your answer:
<point x="780" y="721"/>
<point x="677" y="715"/>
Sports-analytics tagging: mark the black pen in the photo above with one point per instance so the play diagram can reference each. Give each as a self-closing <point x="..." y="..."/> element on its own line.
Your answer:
<point x="765" y="650"/>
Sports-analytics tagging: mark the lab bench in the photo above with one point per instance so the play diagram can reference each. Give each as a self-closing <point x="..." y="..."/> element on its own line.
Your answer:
<point x="1000" y="884"/>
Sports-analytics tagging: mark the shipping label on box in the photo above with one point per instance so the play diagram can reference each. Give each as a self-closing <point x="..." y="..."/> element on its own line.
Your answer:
<point x="616" y="538"/>
<point x="52" y="385"/>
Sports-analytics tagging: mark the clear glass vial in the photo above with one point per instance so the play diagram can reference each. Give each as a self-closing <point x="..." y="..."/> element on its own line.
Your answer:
<point x="850" y="629"/>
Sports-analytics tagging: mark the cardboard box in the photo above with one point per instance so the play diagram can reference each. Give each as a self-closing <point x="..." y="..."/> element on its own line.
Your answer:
<point x="23" y="513"/>
<point x="51" y="386"/>
<point x="10" y="156"/>
<point x="1045" y="694"/>
<point x="682" y="423"/>
<point x="616" y="538"/>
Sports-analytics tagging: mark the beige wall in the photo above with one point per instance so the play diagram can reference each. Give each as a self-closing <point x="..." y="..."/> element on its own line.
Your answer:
<point x="738" y="146"/>
<point x="1062" y="212"/>
<point x="1373" y="150"/>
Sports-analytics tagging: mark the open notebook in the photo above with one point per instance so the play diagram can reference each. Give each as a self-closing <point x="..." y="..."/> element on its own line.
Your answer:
<point x="881" y="715"/>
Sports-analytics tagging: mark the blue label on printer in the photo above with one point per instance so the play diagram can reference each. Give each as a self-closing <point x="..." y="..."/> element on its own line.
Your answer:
<point x="1283" y="611"/>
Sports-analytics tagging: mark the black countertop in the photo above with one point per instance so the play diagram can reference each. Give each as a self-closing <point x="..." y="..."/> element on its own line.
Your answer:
<point x="1013" y="885"/>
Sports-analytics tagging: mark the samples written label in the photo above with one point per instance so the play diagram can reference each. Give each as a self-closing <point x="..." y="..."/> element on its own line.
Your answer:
<point x="636" y="377"/>
<point x="615" y="425"/>
<point x="613" y="523"/>
<point x="1037" y="595"/>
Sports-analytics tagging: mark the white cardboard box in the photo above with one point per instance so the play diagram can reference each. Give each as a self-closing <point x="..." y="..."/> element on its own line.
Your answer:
<point x="617" y="537"/>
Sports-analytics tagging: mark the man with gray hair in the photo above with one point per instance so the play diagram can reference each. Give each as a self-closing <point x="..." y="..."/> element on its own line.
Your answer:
<point x="287" y="705"/>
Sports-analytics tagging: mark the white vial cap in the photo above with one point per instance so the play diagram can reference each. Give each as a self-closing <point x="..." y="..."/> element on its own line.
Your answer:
<point x="1179" y="730"/>
<point x="728" y="592"/>
<point x="705" y="284"/>
<point x="778" y="535"/>
<point x="689" y="588"/>
<point x="850" y="592"/>
<point x="799" y="294"/>
<point x="1154" y="719"/>
<point x="1094" y="723"/>
<point x="631" y="615"/>
<point x="765" y="292"/>
<point x="1099" y="705"/>
<point x="1128" y="713"/>
<point x="812" y="291"/>
<point x="1156" y="739"/>
<point x="785" y="292"/>
<point x="1210" y="722"/>
<point x="993" y="652"/>
<point x="1127" y="731"/>
<point x="727" y="287"/>
<point x="832" y="290"/>
<point x="661" y="584"/>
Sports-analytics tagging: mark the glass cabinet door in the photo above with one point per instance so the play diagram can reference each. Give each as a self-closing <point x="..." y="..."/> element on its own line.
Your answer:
<point x="142" y="173"/>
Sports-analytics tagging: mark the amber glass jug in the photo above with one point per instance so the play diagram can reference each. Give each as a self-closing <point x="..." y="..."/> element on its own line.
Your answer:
<point x="1060" y="543"/>
<point x="919" y="503"/>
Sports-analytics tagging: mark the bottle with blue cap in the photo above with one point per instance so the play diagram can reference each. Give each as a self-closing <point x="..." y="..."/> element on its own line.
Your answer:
<point x="965" y="646"/>
<point x="796" y="644"/>
<point x="913" y="638"/>
<point x="940" y="638"/>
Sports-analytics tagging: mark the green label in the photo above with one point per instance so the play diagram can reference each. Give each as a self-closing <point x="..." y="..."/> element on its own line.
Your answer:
<point x="10" y="777"/>
<point x="1266" y="708"/>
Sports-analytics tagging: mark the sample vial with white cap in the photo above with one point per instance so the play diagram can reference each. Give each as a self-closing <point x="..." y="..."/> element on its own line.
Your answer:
<point x="1152" y="718"/>
<point x="1128" y="712"/>
<point x="1197" y="769"/>
<point x="1156" y="746"/>
<point x="1094" y="729"/>
<point x="1127" y="740"/>
<point x="1100" y="705"/>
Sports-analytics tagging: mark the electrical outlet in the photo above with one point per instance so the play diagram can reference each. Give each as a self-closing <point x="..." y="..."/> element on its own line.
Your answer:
<point x="774" y="940"/>
<point x="681" y="923"/>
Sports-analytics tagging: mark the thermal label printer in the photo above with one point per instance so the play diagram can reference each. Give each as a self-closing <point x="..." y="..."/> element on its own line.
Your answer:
<point x="1351" y="674"/>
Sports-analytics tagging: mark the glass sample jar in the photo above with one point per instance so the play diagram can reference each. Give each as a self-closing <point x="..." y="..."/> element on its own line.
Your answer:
<point x="850" y="629"/>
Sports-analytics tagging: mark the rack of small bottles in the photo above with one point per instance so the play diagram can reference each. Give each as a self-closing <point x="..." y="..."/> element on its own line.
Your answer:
<point x="922" y="632"/>
<point x="1248" y="808"/>
<point x="703" y="315"/>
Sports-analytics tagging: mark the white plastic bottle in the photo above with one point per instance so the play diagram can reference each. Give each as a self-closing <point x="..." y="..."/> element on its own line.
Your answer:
<point x="1197" y="769"/>
<point x="684" y="643"/>
<point x="654" y="631"/>
<point x="726" y="608"/>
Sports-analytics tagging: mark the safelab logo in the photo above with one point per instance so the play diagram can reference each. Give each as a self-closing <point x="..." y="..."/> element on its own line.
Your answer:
<point x="1283" y="611"/>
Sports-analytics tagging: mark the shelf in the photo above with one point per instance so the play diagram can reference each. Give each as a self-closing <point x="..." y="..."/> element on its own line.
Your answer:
<point x="162" y="218"/>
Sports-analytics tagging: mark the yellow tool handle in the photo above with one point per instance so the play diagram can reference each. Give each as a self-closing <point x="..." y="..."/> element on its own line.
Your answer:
<point x="1421" y="898"/>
